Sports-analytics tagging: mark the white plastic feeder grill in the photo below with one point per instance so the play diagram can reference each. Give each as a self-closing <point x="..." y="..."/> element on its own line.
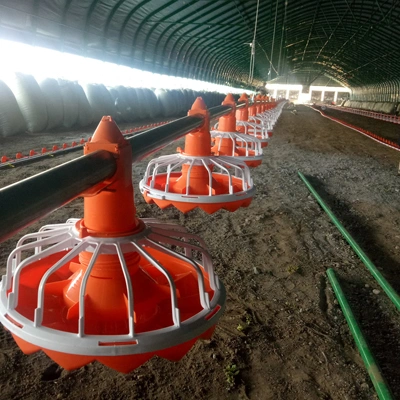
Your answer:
<point x="249" y="147"/>
<point x="224" y="183"/>
<point x="255" y="129"/>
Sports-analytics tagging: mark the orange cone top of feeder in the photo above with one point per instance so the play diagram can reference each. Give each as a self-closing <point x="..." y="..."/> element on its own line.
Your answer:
<point x="227" y="123"/>
<point x="258" y="100"/>
<point x="263" y="103"/>
<point x="197" y="142"/>
<point x="252" y="110"/>
<point x="242" y="114"/>
<point x="111" y="212"/>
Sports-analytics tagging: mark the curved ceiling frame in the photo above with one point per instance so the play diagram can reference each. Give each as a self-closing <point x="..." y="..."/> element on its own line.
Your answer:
<point x="86" y="31"/>
<point x="126" y="22"/>
<point x="350" y="67"/>
<point x="203" y="58"/>
<point x="207" y="38"/>
<point x="233" y="49"/>
<point x="163" y="21"/>
<point x="234" y="57"/>
<point x="201" y="43"/>
<point x="110" y="18"/>
<point x="205" y="11"/>
<point x="209" y="32"/>
<point x="388" y="35"/>
<point x="234" y="52"/>
<point x="352" y="40"/>
<point x="320" y="67"/>
<point x="361" y="24"/>
<point x="171" y="25"/>
<point x="145" y="20"/>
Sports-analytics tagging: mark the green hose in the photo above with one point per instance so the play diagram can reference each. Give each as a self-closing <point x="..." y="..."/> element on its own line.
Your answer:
<point x="372" y="367"/>
<point x="384" y="284"/>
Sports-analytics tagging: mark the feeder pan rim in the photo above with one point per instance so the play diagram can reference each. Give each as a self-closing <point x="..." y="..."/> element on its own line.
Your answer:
<point x="247" y="139"/>
<point x="215" y="133"/>
<point x="225" y="163"/>
<point x="93" y="345"/>
<point x="213" y="160"/>
<point x="197" y="199"/>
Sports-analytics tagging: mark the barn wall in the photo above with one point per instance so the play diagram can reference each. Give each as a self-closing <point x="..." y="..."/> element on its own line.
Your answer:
<point x="386" y="91"/>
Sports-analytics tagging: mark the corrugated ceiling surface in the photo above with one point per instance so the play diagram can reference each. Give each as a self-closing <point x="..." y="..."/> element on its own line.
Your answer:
<point x="355" y="42"/>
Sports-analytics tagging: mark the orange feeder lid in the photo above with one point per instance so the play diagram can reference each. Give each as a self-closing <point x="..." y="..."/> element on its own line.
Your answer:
<point x="108" y="287"/>
<point x="196" y="179"/>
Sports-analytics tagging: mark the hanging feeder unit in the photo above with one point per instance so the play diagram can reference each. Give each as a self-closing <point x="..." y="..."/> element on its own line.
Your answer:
<point x="194" y="178"/>
<point x="227" y="141"/>
<point x="110" y="287"/>
<point x="258" y="131"/>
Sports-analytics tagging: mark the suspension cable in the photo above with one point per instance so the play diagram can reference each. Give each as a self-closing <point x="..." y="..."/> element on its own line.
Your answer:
<point x="273" y="41"/>
<point x="253" y="47"/>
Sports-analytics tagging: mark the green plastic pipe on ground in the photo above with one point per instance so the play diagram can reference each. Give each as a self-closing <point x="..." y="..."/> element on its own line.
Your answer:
<point x="372" y="367"/>
<point x="384" y="284"/>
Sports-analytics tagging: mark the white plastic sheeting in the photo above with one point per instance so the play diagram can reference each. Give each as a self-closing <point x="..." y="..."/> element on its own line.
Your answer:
<point x="100" y="100"/>
<point x="121" y="101"/>
<point x="152" y="105"/>
<point x="11" y="119"/>
<point x="54" y="102"/>
<point x="30" y="100"/>
<point x="85" y="116"/>
<point x="63" y="104"/>
<point x="133" y="101"/>
<point x="70" y="103"/>
<point x="167" y="102"/>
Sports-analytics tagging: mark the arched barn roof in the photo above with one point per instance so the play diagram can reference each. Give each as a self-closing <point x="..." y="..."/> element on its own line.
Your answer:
<point x="355" y="42"/>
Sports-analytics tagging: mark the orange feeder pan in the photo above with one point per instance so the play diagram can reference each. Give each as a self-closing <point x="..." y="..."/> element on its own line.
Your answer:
<point x="108" y="287"/>
<point x="196" y="179"/>
<point x="228" y="142"/>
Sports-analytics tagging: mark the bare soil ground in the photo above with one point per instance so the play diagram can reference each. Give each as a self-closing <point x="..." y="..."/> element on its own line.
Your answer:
<point x="282" y="328"/>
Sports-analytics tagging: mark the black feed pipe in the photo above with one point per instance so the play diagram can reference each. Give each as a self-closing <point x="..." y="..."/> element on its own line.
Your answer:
<point x="61" y="152"/>
<point x="50" y="154"/>
<point x="165" y="134"/>
<point x="26" y="201"/>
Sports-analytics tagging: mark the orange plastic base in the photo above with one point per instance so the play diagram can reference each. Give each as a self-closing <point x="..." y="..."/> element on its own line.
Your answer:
<point x="124" y="364"/>
<point x="254" y="163"/>
<point x="208" y="208"/>
<point x="178" y="186"/>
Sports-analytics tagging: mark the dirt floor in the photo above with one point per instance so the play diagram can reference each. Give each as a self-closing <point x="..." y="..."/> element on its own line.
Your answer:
<point x="282" y="336"/>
